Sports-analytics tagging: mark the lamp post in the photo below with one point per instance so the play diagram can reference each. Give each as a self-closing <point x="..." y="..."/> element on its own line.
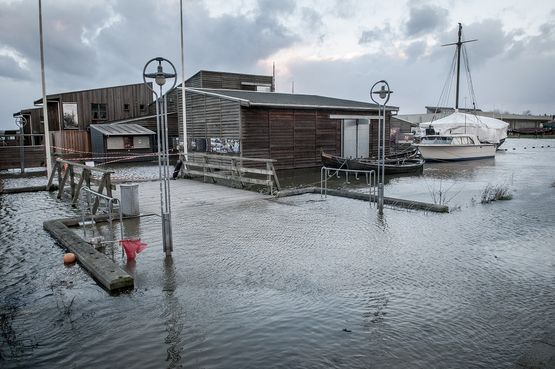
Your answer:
<point x="21" y="122"/>
<point x="163" y="151"/>
<point x="383" y="94"/>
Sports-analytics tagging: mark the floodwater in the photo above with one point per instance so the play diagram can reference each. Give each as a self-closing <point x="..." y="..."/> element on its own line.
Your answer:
<point x="301" y="282"/>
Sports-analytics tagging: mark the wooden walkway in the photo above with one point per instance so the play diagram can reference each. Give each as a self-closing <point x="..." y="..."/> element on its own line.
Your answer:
<point x="186" y="193"/>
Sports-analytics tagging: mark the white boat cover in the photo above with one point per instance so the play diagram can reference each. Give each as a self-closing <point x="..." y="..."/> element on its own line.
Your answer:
<point x="487" y="129"/>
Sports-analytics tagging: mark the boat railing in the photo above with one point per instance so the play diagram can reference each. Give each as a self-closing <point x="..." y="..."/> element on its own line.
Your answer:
<point x="369" y="174"/>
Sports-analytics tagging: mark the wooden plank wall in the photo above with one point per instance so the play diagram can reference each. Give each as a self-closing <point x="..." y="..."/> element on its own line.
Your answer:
<point x="35" y="156"/>
<point x="232" y="81"/>
<point x="71" y="144"/>
<point x="209" y="116"/>
<point x="114" y="98"/>
<point x="293" y="137"/>
<point x="374" y="135"/>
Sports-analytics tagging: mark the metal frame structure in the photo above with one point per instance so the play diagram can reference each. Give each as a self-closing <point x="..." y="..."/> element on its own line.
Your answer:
<point x="110" y="201"/>
<point x="384" y="92"/>
<point x="370" y="180"/>
<point x="163" y="151"/>
<point x="21" y="122"/>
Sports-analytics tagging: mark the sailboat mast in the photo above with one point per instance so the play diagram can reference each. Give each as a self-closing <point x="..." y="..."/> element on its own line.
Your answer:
<point x="459" y="44"/>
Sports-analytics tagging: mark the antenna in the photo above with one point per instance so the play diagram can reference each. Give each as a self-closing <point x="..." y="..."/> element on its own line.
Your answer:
<point x="273" y="76"/>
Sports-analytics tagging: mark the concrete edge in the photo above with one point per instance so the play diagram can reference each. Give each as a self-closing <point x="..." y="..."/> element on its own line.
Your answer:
<point x="401" y="203"/>
<point x="107" y="273"/>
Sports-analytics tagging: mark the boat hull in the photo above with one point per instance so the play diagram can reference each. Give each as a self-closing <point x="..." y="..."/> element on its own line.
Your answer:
<point x="395" y="166"/>
<point x="435" y="152"/>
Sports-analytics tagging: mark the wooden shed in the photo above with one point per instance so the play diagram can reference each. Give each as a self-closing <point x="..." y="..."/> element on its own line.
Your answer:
<point x="122" y="142"/>
<point x="291" y="128"/>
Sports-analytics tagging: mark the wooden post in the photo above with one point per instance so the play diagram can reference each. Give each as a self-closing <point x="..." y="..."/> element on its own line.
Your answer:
<point x="72" y="181"/>
<point x="51" y="179"/>
<point x="62" y="182"/>
<point x="275" y="177"/>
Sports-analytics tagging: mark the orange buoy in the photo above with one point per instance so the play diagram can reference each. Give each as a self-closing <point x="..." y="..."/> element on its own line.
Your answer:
<point x="69" y="258"/>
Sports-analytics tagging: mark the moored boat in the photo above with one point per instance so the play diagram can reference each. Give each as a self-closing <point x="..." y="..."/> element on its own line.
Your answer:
<point x="454" y="148"/>
<point x="398" y="165"/>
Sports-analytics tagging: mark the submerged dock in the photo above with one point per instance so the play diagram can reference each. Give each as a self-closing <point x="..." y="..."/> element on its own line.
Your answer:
<point x="392" y="201"/>
<point x="104" y="270"/>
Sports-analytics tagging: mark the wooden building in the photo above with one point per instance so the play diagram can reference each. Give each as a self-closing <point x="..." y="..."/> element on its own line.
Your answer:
<point x="77" y="110"/>
<point x="231" y="81"/>
<point x="290" y="128"/>
<point x="122" y="142"/>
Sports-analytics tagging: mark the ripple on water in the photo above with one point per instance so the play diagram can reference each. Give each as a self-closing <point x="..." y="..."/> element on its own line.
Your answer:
<point x="295" y="282"/>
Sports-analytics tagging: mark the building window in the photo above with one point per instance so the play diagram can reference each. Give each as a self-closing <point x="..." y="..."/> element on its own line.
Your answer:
<point x="98" y="112"/>
<point x="128" y="142"/>
<point x="142" y="108"/>
<point x="126" y="108"/>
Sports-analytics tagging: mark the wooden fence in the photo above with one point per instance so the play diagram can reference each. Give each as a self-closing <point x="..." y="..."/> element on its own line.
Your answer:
<point x="236" y="169"/>
<point x="65" y="170"/>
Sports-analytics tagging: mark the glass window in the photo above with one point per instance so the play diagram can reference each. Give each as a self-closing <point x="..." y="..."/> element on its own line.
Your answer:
<point x="98" y="111"/>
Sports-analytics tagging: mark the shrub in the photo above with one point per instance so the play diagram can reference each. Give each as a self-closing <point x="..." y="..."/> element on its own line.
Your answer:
<point x="495" y="192"/>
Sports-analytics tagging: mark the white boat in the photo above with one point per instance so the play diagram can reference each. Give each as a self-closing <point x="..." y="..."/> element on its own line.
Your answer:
<point x="488" y="130"/>
<point x="454" y="148"/>
<point x="461" y="136"/>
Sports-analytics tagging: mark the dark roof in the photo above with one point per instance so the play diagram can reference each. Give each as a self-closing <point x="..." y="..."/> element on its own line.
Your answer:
<point x="122" y="129"/>
<point x="276" y="99"/>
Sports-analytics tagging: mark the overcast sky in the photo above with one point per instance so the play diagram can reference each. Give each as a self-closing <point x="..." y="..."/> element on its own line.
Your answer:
<point x="336" y="48"/>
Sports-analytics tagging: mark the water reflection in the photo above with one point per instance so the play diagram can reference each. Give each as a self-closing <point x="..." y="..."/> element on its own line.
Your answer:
<point x="173" y="315"/>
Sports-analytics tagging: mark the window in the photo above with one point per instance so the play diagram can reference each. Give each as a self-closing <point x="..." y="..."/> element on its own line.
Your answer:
<point x="126" y="108"/>
<point x="98" y="111"/>
<point x="142" y="108"/>
<point x="128" y="142"/>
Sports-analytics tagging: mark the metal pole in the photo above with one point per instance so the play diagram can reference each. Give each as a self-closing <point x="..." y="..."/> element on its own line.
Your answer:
<point x="22" y="150"/>
<point x="163" y="147"/>
<point x="44" y="103"/>
<point x="185" y="142"/>
<point x="381" y="130"/>
<point x="21" y="122"/>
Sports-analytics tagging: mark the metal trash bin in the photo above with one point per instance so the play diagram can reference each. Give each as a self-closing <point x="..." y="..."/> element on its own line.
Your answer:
<point x="129" y="195"/>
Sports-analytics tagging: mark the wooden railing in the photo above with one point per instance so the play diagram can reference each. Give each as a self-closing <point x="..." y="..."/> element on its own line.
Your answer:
<point x="237" y="169"/>
<point x="64" y="170"/>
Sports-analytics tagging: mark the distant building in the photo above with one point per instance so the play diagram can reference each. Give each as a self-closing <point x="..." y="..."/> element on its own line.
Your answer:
<point x="516" y="121"/>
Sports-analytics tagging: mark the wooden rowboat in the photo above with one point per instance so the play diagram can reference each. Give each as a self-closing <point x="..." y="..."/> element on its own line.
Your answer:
<point x="391" y="166"/>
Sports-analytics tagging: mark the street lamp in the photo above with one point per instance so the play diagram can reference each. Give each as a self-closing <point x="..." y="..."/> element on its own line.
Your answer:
<point x="383" y="93"/>
<point x="20" y="121"/>
<point x="163" y="151"/>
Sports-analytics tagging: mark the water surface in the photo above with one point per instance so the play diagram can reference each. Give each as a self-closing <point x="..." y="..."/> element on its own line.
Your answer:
<point x="300" y="282"/>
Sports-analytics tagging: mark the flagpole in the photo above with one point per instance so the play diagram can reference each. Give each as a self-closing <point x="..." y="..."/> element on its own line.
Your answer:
<point x="185" y="143"/>
<point x="44" y="102"/>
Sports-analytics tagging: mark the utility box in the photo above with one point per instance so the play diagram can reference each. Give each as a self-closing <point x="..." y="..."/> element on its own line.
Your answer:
<point x="129" y="195"/>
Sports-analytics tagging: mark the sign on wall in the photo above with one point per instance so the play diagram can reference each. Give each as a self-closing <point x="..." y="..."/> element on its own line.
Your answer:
<point x="70" y="116"/>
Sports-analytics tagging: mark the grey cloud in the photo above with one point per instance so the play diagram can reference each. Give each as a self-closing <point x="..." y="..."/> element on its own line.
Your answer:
<point x="10" y="69"/>
<point x="424" y="19"/>
<point x="376" y="34"/>
<point x="492" y="41"/>
<point x="344" y="8"/>
<point x="274" y="7"/>
<point x="311" y="18"/>
<point x="415" y="49"/>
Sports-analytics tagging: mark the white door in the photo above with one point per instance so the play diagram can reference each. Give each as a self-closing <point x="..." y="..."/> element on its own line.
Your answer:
<point x="356" y="138"/>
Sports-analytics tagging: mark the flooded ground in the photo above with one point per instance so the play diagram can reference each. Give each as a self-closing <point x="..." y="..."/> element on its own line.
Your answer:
<point x="300" y="282"/>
